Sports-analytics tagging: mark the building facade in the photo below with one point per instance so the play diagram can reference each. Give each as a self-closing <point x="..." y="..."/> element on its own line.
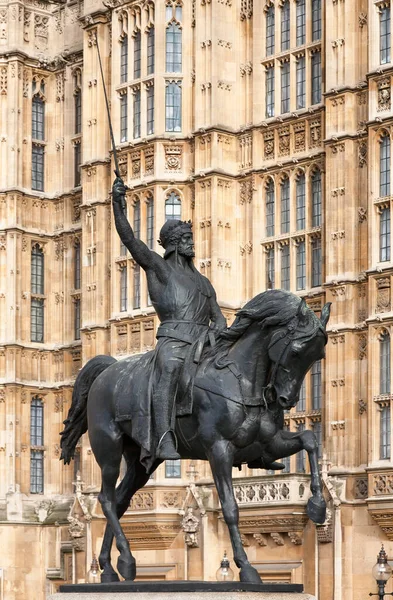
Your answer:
<point x="269" y="125"/>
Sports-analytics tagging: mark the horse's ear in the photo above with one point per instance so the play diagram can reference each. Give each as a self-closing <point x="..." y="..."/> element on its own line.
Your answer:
<point x="302" y="306"/>
<point x="325" y="314"/>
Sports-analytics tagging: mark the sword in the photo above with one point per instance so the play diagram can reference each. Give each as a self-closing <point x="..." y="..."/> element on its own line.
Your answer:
<point x="117" y="171"/>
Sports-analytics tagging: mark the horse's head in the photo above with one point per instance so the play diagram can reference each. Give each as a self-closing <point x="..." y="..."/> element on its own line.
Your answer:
<point x="293" y="349"/>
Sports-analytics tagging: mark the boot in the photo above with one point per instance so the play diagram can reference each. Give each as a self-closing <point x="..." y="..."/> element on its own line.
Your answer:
<point x="166" y="448"/>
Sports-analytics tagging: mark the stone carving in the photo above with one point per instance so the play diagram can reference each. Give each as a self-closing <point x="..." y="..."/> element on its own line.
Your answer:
<point x="246" y="151"/>
<point x="362" y="153"/>
<point x="325" y="531"/>
<point x="362" y="406"/>
<point x="246" y="191"/>
<point x="336" y="425"/>
<point x="246" y="69"/>
<point x="300" y="136"/>
<point x="3" y="80"/>
<point x="143" y="501"/>
<point x="362" y="214"/>
<point x="384" y="94"/>
<point x="123" y="167"/>
<point x="383" y="295"/>
<point x="296" y="537"/>
<point x="173" y="158"/>
<point x="284" y="141"/>
<point x="149" y="160"/>
<point x="44" y="509"/>
<point x="246" y="9"/>
<point x="245" y="540"/>
<point x="76" y="210"/>
<point x="362" y="339"/>
<point x="171" y="500"/>
<point x="315" y="133"/>
<point x="383" y="484"/>
<point x="41" y="28"/>
<point x="2" y="395"/>
<point x="60" y="86"/>
<point x="256" y="493"/>
<point x="362" y="19"/>
<point x="135" y="164"/>
<point x="260" y="539"/>
<point x="268" y="143"/>
<point x="190" y="527"/>
<point x="59" y="400"/>
<point x="277" y="538"/>
<point x="361" y="488"/>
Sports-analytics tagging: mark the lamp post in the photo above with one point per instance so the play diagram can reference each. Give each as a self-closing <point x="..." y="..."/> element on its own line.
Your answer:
<point x="382" y="572"/>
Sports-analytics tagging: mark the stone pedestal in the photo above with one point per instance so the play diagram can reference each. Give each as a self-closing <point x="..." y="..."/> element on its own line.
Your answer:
<point x="184" y="590"/>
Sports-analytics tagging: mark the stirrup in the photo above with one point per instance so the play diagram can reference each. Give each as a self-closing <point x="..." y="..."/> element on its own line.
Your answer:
<point x="163" y="436"/>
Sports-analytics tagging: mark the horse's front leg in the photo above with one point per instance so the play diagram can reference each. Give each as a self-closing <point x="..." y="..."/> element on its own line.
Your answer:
<point x="221" y="462"/>
<point x="286" y="443"/>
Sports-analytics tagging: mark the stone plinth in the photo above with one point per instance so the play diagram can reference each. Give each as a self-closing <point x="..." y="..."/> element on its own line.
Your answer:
<point x="186" y="590"/>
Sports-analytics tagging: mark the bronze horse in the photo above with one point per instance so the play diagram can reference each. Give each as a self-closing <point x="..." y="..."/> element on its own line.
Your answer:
<point x="240" y="392"/>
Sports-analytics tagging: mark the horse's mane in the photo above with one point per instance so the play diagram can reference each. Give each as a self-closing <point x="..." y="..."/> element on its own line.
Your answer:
<point x="273" y="307"/>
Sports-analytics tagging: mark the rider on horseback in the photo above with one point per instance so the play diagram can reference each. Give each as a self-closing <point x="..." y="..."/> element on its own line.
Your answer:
<point x="186" y="305"/>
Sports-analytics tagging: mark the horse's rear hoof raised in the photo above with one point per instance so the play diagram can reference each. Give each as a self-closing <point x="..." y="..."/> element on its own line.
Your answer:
<point x="127" y="569"/>
<point x="249" y="575"/>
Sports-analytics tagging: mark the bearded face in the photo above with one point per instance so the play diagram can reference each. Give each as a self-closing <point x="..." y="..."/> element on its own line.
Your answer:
<point x="186" y="246"/>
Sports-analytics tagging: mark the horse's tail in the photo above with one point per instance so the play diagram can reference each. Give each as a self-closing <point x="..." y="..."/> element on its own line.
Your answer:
<point x="76" y="421"/>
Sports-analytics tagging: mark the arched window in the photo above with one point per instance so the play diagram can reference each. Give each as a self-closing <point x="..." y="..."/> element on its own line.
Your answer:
<point x="384" y="166"/>
<point x="36" y="443"/>
<point x="123" y="288"/>
<point x="316" y="198"/>
<point x="270" y="31"/>
<point x="150" y="223"/>
<point x="137" y="219"/>
<point x="173" y="48"/>
<point x="173" y="108"/>
<point x="38" y="119"/>
<point x="37" y="270"/>
<point x="270" y="272"/>
<point x="123" y="248"/>
<point x="150" y="50"/>
<point x="137" y="55"/>
<point x="316" y="19"/>
<point x="384" y="35"/>
<point x="285" y="25"/>
<point x="78" y="110"/>
<point x="38" y="135"/>
<point x="77" y="266"/>
<point x="172" y="207"/>
<point x="285" y="268"/>
<point x="316" y="386"/>
<point x="384" y="234"/>
<point x="384" y="364"/>
<point x="285" y="206"/>
<point x="270" y="208"/>
<point x="301" y="202"/>
<point x="124" y="59"/>
<point x="300" y="22"/>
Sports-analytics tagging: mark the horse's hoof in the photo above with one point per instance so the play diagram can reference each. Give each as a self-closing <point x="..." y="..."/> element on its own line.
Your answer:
<point x="249" y="575"/>
<point x="127" y="569"/>
<point x="316" y="511"/>
<point x="109" y="577"/>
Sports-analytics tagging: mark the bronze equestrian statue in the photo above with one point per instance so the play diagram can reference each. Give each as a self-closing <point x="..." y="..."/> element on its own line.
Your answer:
<point x="232" y="411"/>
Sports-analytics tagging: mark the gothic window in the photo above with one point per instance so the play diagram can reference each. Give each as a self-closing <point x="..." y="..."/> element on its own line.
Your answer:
<point x="77" y="164"/>
<point x="137" y="113"/>
<point x="301" y="266"/>
<point x="270" y="31"/>
<point x="38" y="119"/>
<point x="270" y="208"/>
<point x="173" y="99"/>
<point x="150" y="50"/>
<point x="78" y="110"/>
<point x="270" y="92"/>
<point x="285" y="268"/>
<point x="37" y="320"/>
<point x="123" y="288"/>
<point x="316" y="386"/>
<point x="150" y="110"/>
<point x="173" y="469"/>
<point x="172" y="207"/>
<point x="37" y="270"/>
<point x="285" y="206"/>
<point x="124" y="59"/>
<point x="316" y="18"/>
<point x="285" y="26"/>
<point x="384" y="433"/>
<point x="316" y="262"/>
<point x="137" y="55"/>
<point x="300" y="22"/>
<point x="301" y="456"/>
<point x="270" y="273"/>
<point x="384" y="235"/>
<point x="137" y="219"/>
<point x="37" y="168"/>
<point x="317" y="429"/>
<point x="384" y="35"/>
<point x="37" y="450"/>
<point x="123" y="117"/>
<point x="123" y="247"/>
<point x="150" y="224"/>
<point x="77" y="266"/>
<point x="77" y="319"/>
<point x="301" y="202"/>
<point x="316" y="193"/>
<point x="316" y="78"/>
<point x="285" y="87"/>
<point x="384" y="166"/>
<point x="301" y="82"/>
<point x="384" y="364"/>
<point x="301" y="405"/>
<point x="137" y="287"/>
<point x="173" y="48"/>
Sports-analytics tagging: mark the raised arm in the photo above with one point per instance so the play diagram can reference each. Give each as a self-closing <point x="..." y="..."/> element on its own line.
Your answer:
<point x="145" y="257"/>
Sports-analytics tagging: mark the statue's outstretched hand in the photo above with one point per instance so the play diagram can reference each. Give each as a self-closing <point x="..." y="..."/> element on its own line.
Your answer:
<point x="119" y="192"/>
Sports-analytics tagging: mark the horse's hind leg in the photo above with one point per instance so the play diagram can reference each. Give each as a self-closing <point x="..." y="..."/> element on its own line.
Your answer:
<point x="133" y="480"/>
<point x="221" y="461"/>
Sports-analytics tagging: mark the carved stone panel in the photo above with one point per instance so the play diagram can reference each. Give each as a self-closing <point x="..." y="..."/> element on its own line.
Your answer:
<point x="384" y="94"/>
<point x="383" y="303"/>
